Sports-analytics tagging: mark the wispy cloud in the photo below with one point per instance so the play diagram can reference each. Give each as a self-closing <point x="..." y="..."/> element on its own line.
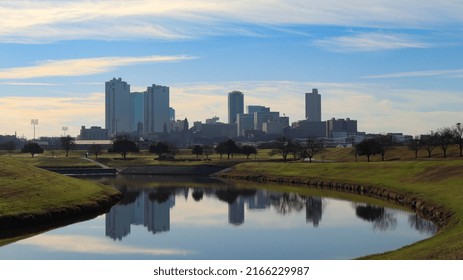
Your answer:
<point x="81" y="67"/>
<point x="449" y="73"/>
<point x="92" y="245"/>
<point x="371" y="42"/>
<point x="39" y="21"/>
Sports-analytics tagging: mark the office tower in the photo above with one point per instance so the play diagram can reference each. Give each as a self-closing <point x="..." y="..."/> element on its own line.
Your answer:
<point x="262" y="117"/>
<point x="137" y="100"/>
<point x="244" y="122"/>
<point x="235" y="105"/>
<point x="118" y="112"/>
<point x="313" y="107"/>
<point x="157" y="112"/>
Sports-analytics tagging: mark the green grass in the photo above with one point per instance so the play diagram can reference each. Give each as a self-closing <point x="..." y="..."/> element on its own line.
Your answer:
<point x="439" y="182"/>
<point x="26" y="190"/>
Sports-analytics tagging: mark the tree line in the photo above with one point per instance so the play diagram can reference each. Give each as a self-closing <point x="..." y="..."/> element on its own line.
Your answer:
<point x="442" y="139"/>
<point x="307" y="148"/>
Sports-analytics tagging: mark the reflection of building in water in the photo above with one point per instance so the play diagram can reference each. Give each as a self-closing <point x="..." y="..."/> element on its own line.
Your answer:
<point x="313" y="210"/>
<point x="259" y="201"/>
<point x="138" y="210"/>
<point x="143" y="211"/>
<point x="157" y="214"/>
<point x="236" y="211"/>
<point x="118" y="221"/>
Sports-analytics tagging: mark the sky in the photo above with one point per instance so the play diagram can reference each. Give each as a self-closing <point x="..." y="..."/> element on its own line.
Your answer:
<point x="392" y="65"/>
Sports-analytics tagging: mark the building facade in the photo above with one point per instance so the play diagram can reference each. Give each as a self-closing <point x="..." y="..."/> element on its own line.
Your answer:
<point x="118" y="112"/>
<point x="93" y="133"/>
<point x="157" y="110"/>
<point x="313" y="106"/>
<point x="235" y="105"/>
<point x="340" y="128"/>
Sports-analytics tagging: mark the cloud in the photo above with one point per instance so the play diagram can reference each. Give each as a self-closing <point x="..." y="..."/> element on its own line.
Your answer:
<point x="52" y="112"/>
<point x="371" y="42"/>
<point x="41" y="21"/>
<point x="81" y="67"/>
<point x="92" y="245"/>
<point x="450" y="73"/>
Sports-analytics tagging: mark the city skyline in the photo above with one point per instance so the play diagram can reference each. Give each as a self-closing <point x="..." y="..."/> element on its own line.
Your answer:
<point x="394" y="66"/>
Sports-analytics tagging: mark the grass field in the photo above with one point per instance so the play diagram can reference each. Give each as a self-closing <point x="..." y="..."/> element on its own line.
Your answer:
<point x="27" y="191"/>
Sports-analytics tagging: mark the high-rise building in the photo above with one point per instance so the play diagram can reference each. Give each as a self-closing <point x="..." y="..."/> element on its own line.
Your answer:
<point x="313" y="106"/>
<point x="157" y="112"/>
<point x="235" y="105"/>
<point x="137" y="100"/>
<point x="244" y="122"/>
<point x="118" y="112"/>
<point x="261" y="117"/>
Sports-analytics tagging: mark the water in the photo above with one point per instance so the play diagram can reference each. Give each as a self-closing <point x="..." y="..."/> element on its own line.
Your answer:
<point x="201" y="218"/>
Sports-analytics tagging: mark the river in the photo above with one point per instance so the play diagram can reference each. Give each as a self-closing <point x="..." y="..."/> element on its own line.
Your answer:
<point x="204" y="218"/>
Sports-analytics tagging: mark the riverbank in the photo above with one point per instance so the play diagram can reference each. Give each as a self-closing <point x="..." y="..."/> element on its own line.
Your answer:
<point x="432" y="188"/>
<point x="31" y="198"/>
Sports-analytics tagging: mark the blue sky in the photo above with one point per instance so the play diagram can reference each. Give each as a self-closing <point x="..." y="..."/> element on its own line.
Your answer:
<point x="395" y="66"/>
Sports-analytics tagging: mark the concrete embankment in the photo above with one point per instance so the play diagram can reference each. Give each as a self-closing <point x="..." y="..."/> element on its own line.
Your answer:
<point x="73" y="171"/>
<point x="436" y="213"/>
<point x="176" y="170"/>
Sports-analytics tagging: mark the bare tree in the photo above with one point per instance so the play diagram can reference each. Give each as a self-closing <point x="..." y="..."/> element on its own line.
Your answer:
<point x="311" y="147"/>
<point x="444" y="138"/>
<point x="385" y="143"/>
<point x="415" y="145"/>
<point x="95" y="149"/>
<point x="429" y="143"/>
<point x="282" y="146"/>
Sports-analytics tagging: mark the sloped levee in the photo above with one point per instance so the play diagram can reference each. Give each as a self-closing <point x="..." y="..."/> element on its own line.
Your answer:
<point x="436" y="213"/>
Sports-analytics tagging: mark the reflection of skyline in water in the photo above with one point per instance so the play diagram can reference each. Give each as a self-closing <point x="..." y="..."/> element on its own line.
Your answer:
<point x="151" y="208"/>
<point x="145" y="210"/>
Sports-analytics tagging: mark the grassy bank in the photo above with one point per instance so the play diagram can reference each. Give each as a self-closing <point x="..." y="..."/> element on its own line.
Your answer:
<point x="30" y="196"/>
<point x="437" y="182"/>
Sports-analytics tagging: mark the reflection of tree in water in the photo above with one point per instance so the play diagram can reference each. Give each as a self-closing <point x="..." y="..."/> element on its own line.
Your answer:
<point x="161" y="195"/>
<point x="422" y="225"/>
<point x="197" y="194"/>
<point x="287" y="202"/>
<point x="230" y="195"/>
<point x="382" y="220"/>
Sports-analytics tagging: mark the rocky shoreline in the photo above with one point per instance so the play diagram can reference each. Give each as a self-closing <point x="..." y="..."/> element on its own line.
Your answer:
<point x="431" y="211"/>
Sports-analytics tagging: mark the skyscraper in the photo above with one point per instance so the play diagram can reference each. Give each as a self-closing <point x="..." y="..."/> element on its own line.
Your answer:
<point x="235" y="105"/>
<point x="313" y="106"/>
<point x="118" y="112"/>
<point x="157" y="112"/>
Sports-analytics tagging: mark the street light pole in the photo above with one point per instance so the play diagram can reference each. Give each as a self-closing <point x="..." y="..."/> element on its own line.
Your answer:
<point x="34" y="122"/>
